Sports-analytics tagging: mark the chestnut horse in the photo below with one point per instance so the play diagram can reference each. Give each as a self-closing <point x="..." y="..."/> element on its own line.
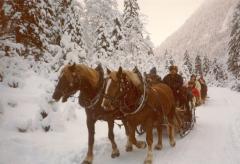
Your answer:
<point x="90" y="82"/>
<point x="154" y="103"/>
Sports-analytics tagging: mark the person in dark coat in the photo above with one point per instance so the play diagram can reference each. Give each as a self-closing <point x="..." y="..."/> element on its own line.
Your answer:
<point x="174" y="81"/>
<point x="153" y="77"/>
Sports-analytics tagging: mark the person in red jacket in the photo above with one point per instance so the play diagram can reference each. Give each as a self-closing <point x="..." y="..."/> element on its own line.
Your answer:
<point x="195" y="91"/>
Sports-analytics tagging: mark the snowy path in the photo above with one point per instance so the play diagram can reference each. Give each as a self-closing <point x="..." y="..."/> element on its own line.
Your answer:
<point x="215" y="139"/>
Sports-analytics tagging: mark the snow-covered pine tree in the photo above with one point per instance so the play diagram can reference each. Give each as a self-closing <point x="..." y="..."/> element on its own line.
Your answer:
<point x="169" y="61"/>
<point x="103" y="50"/>
<point x="24" y="27"/>
<point x="151" y="59"/>
<point x="73" y="42"/>
<point x="187" y="64"/>
<point x="198" y="65"/>
<point x="98" y="12"/>
<point x="34" y="26"/>
<point x="135" y="44"/>
<point x="217" y="73"/>
<point x="131" y="17"/>
<point x="205" y="65"/>
<point x="234" y="45"/>
<point x="117" y="35"/>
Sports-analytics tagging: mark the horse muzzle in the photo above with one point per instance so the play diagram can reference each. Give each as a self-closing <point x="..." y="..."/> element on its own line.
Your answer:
<point x="56" y="96"/>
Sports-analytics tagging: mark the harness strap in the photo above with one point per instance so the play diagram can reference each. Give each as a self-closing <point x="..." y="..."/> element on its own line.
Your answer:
<point x="96" y="99"/>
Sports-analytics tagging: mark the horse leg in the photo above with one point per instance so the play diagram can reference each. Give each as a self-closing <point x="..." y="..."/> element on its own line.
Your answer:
<point x="129" y="147"/>
<point x="171" y="132"/>
<point x="132" y="138"/>
<point x="115" y="151"/>
<point x="159" y="146"/>
<point x="149" y="138"/>
<point x="91" y="130"/>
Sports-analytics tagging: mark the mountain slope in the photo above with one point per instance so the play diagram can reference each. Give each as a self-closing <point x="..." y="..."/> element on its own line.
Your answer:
<point x="206" y="32"/>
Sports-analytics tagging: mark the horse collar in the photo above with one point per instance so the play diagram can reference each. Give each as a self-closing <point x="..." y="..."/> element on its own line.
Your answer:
<point x="142" y="103"/>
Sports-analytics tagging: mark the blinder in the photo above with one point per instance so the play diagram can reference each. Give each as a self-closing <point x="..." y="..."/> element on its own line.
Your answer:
<point x="123" y="85"/>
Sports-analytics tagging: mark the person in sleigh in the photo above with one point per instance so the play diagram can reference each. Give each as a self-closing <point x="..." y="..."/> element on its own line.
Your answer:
<point x="195" y="93"/>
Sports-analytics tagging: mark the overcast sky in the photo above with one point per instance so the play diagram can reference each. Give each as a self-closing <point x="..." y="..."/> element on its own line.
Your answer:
<point x="166" y="16"/>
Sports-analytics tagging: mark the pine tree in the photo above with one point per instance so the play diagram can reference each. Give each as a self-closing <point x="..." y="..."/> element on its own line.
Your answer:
<point x="34" y="25"/>
<point x="198" y="65"/>
<point x="75" y="49"/>
<point x="117" y="35"/>
<point x="132" y="24"/>
<point x="98" y="12"/>
<point x="234" y="45"/>
<point x="6" y="20"/>
<point x="102" y="46"/>
<point x="218" y="73"/>
<point x="187" y="63"/>
<point x="169" y="61"/>
<point x="25" y="27"/>
<point x="134" y="43"/>
<point x="206" y="65"/>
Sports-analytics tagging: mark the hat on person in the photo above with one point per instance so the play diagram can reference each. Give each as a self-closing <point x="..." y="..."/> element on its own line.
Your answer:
<point x="173" y="67"/>
<point x="153" y="70"/>
<point x="193" y="75"/>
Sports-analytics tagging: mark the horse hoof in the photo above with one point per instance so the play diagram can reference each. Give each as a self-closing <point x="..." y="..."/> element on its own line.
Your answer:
<point x="158" y="147"/>
<point x="114" y="155"/>
<point x="129" y="148"/>
<point x="148" y="162"/>
<point x="173" y="143"/>
<point x="86" y="162"/>
<point x="141" y="145"/>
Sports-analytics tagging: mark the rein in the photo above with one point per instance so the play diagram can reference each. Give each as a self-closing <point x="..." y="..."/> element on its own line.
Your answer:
<point x="96" y="99"/>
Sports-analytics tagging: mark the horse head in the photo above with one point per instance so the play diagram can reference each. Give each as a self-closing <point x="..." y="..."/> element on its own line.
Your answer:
<point x="73" y="78"/>
<point x="120" y="86"/>
<point x="67" y="83"/>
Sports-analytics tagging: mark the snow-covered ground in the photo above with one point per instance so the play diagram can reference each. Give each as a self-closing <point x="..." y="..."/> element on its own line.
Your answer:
<point x="215" y="138"/>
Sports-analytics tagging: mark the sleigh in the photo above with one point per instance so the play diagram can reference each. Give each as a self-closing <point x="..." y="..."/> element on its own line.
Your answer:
<point x="184" y="115"/>
<point x="185" y="119"/>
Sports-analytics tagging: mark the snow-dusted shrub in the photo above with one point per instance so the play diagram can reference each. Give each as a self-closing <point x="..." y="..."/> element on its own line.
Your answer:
<point x="14" y="71"/>
<point x="12" y="103"/>
<point x="236" y="85"/>
<point x="24" y="126"/>
<point x="53" y="122"/>
<point x="50" y="117"/>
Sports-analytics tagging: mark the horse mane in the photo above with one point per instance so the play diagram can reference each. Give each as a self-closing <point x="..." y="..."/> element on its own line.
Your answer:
<point x="83" y="71"/>
<point x="132" y="76"/>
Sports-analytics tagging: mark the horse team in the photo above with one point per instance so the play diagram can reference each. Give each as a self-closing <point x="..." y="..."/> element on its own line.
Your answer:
<point x="124" y="95"/>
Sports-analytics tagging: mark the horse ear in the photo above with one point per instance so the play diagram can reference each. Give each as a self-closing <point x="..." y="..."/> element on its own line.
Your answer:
<point x="135" y="69"/>
<point x="72" y="67"/>
<point x="119" y="73"/>
<point x="108" y="71"/>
